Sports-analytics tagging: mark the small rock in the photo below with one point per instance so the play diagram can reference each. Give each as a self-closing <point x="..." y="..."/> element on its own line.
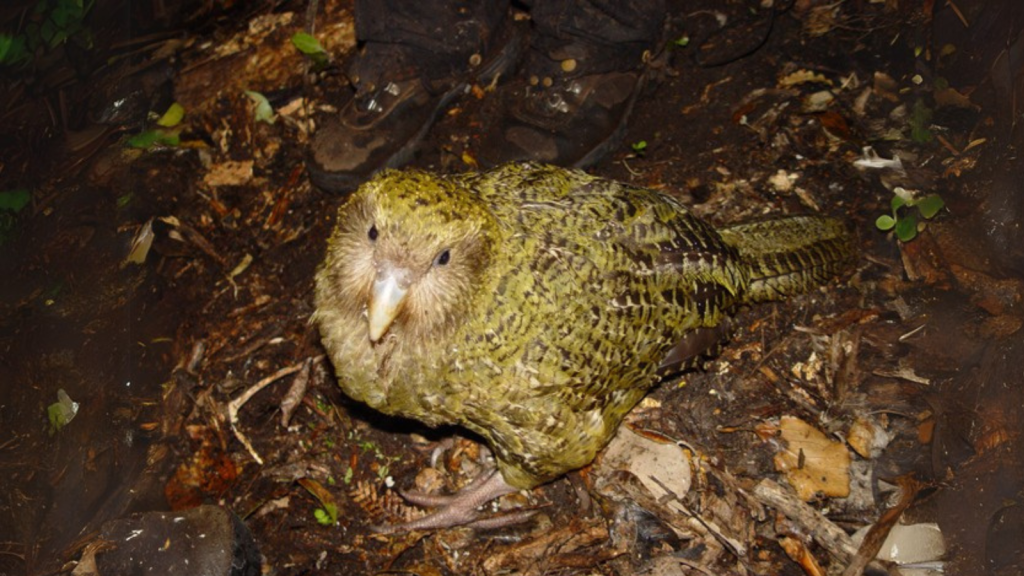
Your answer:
<point x="207" y="541"/>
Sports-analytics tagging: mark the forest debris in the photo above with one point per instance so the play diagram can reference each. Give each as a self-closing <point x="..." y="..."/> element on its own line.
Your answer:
<point x="235" y="405"/>
<point x="141" y="243"/>
<point x="296" y="392"/>
<point x="813" y="464"/>
<point x="558" y="548"/>
<point x="185" y="232"/>
<point x="820" y="20"/>
<point x="878" y="532"/>
<point x="870" y="160"/>
<point x="782" y="181"/>
<point x="867" y="437"/>
<point x="798" y="552"/>
<point x="909" y="543"/>
<point x="803" y="76"/>
<point x="229" y="173"/>
<point x="661" y="466"/>
<point x="381" y="508"/>
<point x="207" y="471"/>
<point x="824" y="532"/>
<point x="623" y="485"/>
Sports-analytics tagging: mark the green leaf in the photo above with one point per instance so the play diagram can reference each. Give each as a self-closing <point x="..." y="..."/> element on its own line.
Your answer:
<point x="169" y="138"/>
<point x="327" y="516"/>
<point x="906" y="228"/>
<point x="47" y="32"/>
<point x="885" y="222"/>
<point x="149" y="138"/>
<point x="14" y="200"/>
<point x="307" y="44"/>
<point x="897" y="202"/>
<point x="264" y="111"/>
<point x="61" y="412"/>
<point x="682" y="41"/>
<point x="920" y="121"/>
<point x="322" y="517"/>
<point x="930" y="205"/>
<point x="12" y="49"/>
<point x="144" y="140"/>
<point x="172" y="117"/>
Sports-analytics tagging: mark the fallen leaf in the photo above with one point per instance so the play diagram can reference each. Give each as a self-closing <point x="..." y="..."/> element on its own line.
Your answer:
<point x="813" y="464"/>
<point x="660" y="465"/>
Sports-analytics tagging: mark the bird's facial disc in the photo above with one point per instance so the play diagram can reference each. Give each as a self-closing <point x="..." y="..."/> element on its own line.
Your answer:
<point x="389" y="292"/>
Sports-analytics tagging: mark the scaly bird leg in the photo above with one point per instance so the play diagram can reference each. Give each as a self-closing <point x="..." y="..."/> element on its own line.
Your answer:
<point x="461" y="508"/>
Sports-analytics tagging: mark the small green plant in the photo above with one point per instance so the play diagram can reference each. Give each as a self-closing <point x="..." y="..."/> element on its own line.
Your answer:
<point x="61" y="412"/>
<point x="263" y="111"/>
<point x="384" y="461"/>
<point x="326" y="516"/>
<point x="13" y="50"/>
<point x="639" y="147"/>
<point x="51" y="24"/>
<point x="11" y="203"/>
<point x="60" y="21"/>
<point x="167" y="134"/>
<point x="310" y="46"/>
<point x="327" y="513"/>
<point x="906" y="207"/>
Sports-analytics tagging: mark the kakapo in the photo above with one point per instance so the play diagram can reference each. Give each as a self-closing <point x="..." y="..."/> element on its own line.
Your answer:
<point x="536" y="305"/>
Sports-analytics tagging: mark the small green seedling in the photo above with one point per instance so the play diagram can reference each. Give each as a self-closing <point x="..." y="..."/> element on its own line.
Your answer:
<point x="50" y="24"/>
<point x="150" y="138"/>
<point x="263" y="111"/>
<point x="11" y="203"/>
<point x="310" y="46"/>
<point x="639" y="148"/>
<point x="61" y="412"/>
<point x="172" y="117"/>
<point x="13" y="50"/>
<point x="166" y="135"/>
<point x="326" y="516"/>
<point x="906" y="208"/>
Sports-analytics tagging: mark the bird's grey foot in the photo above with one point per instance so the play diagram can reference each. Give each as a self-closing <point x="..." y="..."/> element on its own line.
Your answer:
<point x="461" y="508"/>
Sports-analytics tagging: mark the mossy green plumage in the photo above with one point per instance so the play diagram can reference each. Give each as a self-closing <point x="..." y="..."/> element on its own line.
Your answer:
<point x="544" y="303"/>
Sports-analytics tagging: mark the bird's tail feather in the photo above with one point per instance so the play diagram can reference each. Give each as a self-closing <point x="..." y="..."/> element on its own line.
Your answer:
<point x="791" y="255"/>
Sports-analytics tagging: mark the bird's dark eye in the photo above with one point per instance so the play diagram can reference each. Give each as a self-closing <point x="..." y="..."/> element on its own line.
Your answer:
<point x="443" y="258"/>
<point x="372" y="234"/>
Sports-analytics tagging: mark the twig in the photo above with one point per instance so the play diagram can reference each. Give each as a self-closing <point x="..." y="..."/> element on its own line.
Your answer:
<point x="959" y="14"/>
<point x="830" y="536"/>
<point x="296" y="392"/>
<point x="734" y="545"/>
<point x="876" y="535"/>
<point x="237" y="403"/>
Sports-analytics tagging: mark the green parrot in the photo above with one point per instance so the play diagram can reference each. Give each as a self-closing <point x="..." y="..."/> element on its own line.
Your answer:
<point x="536" y="305"/>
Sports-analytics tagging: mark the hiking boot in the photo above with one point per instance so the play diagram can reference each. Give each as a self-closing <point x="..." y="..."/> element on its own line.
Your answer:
<point x="392" y="109"/>
<point x="563" y="117"/>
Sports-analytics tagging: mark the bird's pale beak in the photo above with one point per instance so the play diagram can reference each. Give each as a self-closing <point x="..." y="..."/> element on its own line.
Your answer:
<point x="389" y="291"/>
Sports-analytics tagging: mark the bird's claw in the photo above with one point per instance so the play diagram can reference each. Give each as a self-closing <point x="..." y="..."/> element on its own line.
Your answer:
<point x="461" y="508"/>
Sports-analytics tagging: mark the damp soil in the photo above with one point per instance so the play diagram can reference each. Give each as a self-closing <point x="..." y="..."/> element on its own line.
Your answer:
<point x="919" y="345"/>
